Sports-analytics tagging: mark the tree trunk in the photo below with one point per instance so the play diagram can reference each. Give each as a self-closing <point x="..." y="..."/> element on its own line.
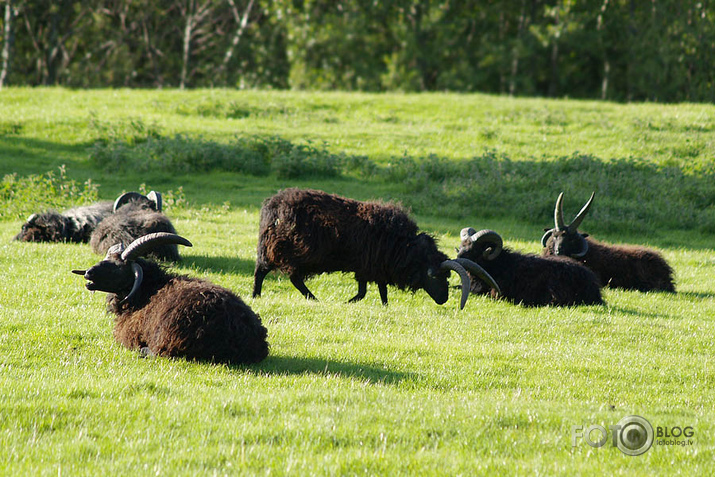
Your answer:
<point x="242" y="22"/>
<point x="188" y="31"/>
<point x="553" y="84"/>
<point x="8" y="39"/>
<point x="515" y="50"/>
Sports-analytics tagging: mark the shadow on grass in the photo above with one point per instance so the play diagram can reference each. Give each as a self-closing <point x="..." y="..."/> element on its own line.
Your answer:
<point x="289" y="366"/>
<point x="639" y="313"/>
<point x="697" y="295"/>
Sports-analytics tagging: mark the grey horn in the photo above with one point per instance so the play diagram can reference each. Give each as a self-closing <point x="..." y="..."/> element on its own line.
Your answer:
<point x="150" y="241"/>
<point x="125" y="198"/>
<point x="489" y="237"/>
<point x="138" y="277"/>
<point x="477" y="270"/>
<point x="464" y="277"/>
<point x="559" y="213"/>
<point x="573" y="226"/>
<point x="156" y="198"/>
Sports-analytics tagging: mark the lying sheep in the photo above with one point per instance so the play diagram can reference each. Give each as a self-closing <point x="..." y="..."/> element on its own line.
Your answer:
<point x="171" y="315"/>
<point x="617" y="266"/>
<point x="527" y="279"/>
<point x="73" y="225"/>
<point x="308" y="232"/>
<point x="135" y="215"/>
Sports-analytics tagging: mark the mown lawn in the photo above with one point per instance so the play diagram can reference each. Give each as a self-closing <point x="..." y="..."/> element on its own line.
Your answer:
<point x="412" y="388"/>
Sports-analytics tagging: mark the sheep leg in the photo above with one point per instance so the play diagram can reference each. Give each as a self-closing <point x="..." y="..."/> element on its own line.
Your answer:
<point x="258" y="276"/>
<point x="298" y="282"/>
<point x="362" y="290"/>
<point x="382" y="287"/>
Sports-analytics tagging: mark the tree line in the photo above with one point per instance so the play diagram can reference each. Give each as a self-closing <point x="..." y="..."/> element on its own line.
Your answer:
<point x="622" y="50"/>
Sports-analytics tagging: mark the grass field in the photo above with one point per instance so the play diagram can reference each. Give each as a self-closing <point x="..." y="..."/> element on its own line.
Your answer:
<point x="412" y="388"/>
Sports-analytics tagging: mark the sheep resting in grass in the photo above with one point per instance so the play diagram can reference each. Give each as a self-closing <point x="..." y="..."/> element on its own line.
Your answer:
<point x="617" y="266"/>
<point x="135" y="215"/>
<point x="165" y="314"/>
<point x="72" y="225"/>
<point x="527" y="279"/>
<point x="308" y="232"/>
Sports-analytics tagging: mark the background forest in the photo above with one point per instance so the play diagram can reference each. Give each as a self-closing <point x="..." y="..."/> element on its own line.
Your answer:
<point x="622" y="50"/>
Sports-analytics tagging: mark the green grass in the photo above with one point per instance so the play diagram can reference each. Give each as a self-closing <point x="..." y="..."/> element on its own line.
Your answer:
<point x="413" y="388"/>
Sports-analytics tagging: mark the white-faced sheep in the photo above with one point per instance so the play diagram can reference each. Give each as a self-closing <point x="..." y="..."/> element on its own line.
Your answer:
<point x="73" y="225"/>
<point x="527" y="279"/>
<point x="135" y="215"/>
<point x="308" y="232"/>
<point x="173" y="315"/>
<point x="617" y="266"/>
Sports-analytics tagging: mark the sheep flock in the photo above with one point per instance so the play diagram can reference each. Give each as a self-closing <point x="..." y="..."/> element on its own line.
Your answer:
<point x="303" y="233"/>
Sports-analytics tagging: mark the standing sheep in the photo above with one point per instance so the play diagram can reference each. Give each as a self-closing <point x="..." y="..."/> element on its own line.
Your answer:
<point x="527" y="279"/>
<point x="308" y="232"/>
<point x="73" y="225"/>
<point x="173" y="315"/>
<point x="618" y="266"/>
<point x="135" y="215"/>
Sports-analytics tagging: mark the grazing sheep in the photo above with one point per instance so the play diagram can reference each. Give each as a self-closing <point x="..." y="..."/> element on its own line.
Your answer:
<point x="617" y="266"/>
<point x="308" y="232"/>
<point x="135" y="215"/>
<point x="172" y="315"/>
<point x="73" y="225"/>
<point x="527" y="279"/>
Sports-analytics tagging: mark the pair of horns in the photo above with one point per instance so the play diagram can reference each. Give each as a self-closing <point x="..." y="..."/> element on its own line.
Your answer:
<point x="125" y="198"/>
<point x="559" y="223"/>
<point x="486" y="236"/>
<point x="461" y="265"/>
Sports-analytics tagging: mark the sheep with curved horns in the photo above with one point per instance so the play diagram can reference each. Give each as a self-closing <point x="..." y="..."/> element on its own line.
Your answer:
<point x="308" y="232"/>
<point x="135" y="215"/>
<point x="166" y="314"/>
<point x="527" y="279"/>
<point x="73" y="225"/>
<point x="617" y="266"/>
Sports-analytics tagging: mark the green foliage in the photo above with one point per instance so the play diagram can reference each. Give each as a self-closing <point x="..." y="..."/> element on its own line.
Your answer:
<point x="22" y="196"/>
<point x="249" y="155"/>
<point x="617" y="50"/>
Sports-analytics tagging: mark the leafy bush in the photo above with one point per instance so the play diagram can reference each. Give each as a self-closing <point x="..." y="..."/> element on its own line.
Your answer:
<point x="22" y="196"/>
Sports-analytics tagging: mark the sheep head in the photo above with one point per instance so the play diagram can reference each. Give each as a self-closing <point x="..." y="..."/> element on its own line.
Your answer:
<point x="152" y="200"/>
<point x="565" y="239"/>
<point x="46" y="227"/>
<point x="434" y="279"/>
<point x="479" y="247"/>
<point x="119" y="273"/>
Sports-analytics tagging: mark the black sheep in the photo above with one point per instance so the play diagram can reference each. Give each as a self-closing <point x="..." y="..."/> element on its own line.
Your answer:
<point x="135" y="215"/>
<point x="73" y="225"/>
<point x="617" y="266"/>
<point x="527" y="279"/>
<point x="164" y="314"/>
<point x="308" y="232"/>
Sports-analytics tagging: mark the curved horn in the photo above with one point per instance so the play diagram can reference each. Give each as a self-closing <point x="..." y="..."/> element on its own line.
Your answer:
<point x="138" y="277"/>
<point x="150" y="241"/>
<point x="125" y="198"/>
<point x="79" y="272"/>
<point x="463" y="276"/>
<point x="584" y="249"/>
<point x="31" y="218"/>
<point x="156" y="198"/>
<point x="490" y="237"/>
<point x="545" y="237"/>
<point x="559" y="213"/>
<point x="479" y="272"/>
<point x="466" y="233"/>
<point x="573" y="226"/>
